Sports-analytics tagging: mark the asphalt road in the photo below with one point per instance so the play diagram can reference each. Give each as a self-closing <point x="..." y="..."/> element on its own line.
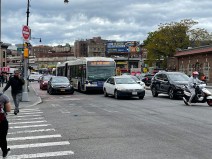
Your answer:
<point x="91" y="126"/>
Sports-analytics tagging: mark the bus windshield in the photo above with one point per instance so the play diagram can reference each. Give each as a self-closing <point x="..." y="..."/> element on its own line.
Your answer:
<point x="100" y="73"/>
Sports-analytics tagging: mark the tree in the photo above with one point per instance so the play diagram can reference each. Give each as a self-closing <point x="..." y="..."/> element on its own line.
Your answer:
<point x="169" y="37"/>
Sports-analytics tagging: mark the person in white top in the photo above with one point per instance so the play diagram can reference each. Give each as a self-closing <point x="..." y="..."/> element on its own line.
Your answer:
<point x="193" y="81"/>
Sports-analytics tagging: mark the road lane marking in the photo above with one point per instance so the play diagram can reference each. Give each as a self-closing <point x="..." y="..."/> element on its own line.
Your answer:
<point x="34" y="137"/>
<point x="36" y="145"/>
<point x="110" y="111"/>
<point x="21" y="119"/>
<point x="24" y="116"/>
<point x="30" y="131"/>
<point x="28" y="122"/>
<point x="31" y="113"/>
<point x="42" y="155"/>
<point x="64" y="111"/>
<point x="28" y="126"/>
<point x="24" y="110"/>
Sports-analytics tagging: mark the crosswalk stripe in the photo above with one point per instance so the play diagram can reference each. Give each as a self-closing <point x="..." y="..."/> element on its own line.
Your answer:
<point x="31" y="113"/>
<point x="28" y="122"/>
<point x="29" y="126"/>
<point x="24" y="116"/>
<point x="36" y="145"/>
<point x="28" y="110"/>
<point x="30" y="131"/>
<point x="21" y="119"/>
<point x="42" y="155"/>
<point x="34" y="137"/>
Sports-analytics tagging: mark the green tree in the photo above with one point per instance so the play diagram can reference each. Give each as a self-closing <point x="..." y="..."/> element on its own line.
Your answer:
<point x="169" y="37"/>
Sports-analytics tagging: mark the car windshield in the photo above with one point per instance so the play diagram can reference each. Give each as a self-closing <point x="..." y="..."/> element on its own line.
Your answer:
<point x="178" y="77"/>
<point x="135" y="78"/>
<point x="46" y="78"/>
<point x="60" y="80"/>
<point x="125" y="81"/>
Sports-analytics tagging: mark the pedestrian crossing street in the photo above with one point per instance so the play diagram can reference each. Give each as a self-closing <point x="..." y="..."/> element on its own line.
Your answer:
<point x="31" y="136"/>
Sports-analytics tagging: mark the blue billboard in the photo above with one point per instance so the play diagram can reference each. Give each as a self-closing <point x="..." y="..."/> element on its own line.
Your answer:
<point x="119" y="46"/>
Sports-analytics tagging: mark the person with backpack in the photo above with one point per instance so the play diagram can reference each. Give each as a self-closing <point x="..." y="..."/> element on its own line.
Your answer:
<point x="16" y="82"/>
<point x="5" y="107"/>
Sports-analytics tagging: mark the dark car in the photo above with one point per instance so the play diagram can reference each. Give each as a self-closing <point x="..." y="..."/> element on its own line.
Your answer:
<point x="171" y="83"/>
<point x="146" y="79"/>
<point x="59" y="84"/>
<point x="43" y="81"/>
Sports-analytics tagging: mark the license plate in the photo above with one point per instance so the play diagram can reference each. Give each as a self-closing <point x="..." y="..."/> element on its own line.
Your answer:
<point x="62" y="90"/>
<point x="134" y="93"/>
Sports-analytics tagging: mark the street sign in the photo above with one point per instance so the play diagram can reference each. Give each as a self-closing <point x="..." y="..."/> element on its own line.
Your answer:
<point x="20" y="49"/>
<point x="26" y="32"/>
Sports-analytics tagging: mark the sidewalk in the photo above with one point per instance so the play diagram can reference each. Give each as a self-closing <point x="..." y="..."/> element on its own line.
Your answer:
<point x="34" y="99"/>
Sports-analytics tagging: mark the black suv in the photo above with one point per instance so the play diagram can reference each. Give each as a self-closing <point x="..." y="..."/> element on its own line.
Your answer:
<point x="171" y="83"/>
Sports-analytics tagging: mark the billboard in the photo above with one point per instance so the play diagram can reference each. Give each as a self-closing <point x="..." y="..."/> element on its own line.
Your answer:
<point x="120" y="46"/>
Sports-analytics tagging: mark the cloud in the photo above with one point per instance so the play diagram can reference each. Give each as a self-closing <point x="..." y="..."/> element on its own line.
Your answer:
<point x="57" y="23"/>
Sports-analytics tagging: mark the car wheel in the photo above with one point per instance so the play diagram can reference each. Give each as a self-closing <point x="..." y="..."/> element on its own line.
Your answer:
<point x="116" y="94"/>
<point x="72" y="92"/>
<point x="171" y="93"/>
<point x="141" y="97"/>
<point x="105" y="93"/>
<point x="209" y="101"/>
<point x="154" y="92"/>
<point x="50" y="91"/>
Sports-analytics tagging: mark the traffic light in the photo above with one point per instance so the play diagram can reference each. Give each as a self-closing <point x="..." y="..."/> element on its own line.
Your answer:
<point x="26" y="52"/>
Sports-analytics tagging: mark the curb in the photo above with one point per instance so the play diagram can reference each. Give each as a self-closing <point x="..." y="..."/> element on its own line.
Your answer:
<point x="39" y="100"/>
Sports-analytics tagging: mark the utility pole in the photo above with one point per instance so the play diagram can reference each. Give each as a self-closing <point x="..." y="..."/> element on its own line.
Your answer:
<point x="25" y="96"/>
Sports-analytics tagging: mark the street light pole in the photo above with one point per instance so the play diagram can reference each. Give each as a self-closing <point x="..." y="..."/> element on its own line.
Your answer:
<point x="25" y="96"/>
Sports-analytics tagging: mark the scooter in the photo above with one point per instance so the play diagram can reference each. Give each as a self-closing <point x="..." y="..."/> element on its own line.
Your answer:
<point x="202" y="95"/>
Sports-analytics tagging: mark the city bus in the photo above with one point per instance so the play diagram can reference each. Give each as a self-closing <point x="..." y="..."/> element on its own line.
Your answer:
<point x="87" y="73"/>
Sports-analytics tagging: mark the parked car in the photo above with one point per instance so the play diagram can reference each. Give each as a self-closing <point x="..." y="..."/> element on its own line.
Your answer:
<point x="171" y="83"/>
<point x="135" y="78"/>
<point x="121" y="86"/>
<point x="59" y="84"/>
<point x="43" y="81"/>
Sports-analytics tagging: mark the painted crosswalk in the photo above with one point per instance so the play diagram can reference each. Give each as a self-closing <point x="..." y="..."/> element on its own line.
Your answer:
<point x="31" y="136"/>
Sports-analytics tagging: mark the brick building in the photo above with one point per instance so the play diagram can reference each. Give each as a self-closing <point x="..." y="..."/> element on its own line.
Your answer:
<point x="90" y="47"/>
<point x="195" y="59"/>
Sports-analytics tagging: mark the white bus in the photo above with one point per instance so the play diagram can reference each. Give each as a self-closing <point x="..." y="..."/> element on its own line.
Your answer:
<point x="87" y="73"/>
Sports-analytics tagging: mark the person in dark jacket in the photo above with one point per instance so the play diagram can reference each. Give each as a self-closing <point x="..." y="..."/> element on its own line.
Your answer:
<point x="16" y="82"/>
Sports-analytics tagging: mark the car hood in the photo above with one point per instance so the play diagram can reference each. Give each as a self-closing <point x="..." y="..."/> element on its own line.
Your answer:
<point x="129" y="86"/>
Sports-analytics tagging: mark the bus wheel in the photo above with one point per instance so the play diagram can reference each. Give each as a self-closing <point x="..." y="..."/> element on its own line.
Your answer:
<point x="79" y="88"/>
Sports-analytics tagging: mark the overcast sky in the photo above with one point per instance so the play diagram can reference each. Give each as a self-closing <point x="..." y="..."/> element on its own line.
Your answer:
<point x="122" y="20"/>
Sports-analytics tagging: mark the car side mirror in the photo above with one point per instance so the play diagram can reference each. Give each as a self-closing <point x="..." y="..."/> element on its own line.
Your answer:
<point x="139" y="82"/>
<point x="112" y="83"/>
